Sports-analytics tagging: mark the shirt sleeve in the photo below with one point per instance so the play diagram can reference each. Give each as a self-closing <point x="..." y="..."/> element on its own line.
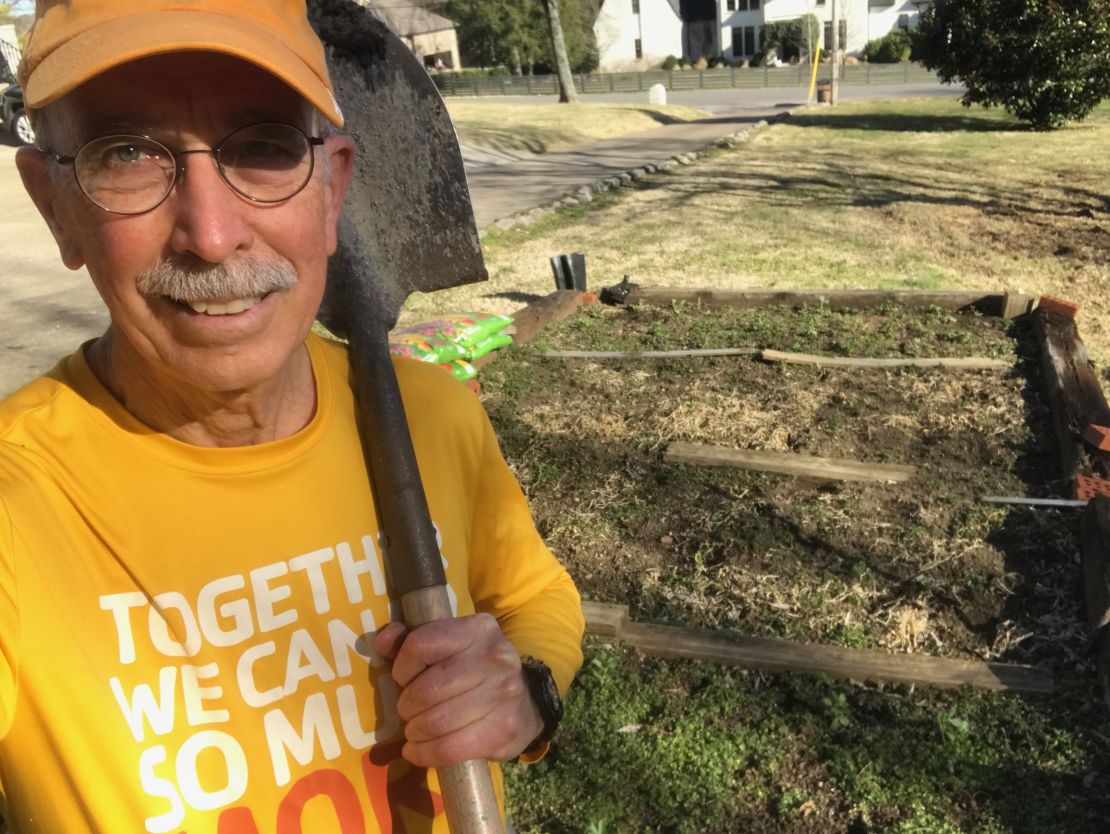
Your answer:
<point x="9" y="622"/>
<point x="513" y="575"/>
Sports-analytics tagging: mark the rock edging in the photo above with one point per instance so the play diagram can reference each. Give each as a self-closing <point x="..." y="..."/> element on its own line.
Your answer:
<point x="585" y="194"/>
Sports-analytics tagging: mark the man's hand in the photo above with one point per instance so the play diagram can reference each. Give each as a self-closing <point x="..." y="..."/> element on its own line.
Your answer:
<point x="463" y="695"/>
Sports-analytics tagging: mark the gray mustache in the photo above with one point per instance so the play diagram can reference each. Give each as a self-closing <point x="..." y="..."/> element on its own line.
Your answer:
<point x="241" y="278"/>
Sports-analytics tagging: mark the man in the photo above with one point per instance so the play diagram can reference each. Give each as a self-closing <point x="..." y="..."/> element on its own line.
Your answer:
<point x="194" y="615"/>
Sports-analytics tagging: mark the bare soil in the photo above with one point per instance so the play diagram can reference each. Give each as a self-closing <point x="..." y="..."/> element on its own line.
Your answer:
<point x="918" y="567"/>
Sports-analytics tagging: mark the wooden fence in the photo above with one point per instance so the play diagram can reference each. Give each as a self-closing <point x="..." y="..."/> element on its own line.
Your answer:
<point x="715" y="79"/>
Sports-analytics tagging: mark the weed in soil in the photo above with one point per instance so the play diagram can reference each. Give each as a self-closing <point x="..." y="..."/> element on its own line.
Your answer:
<point x="918" y="567"/>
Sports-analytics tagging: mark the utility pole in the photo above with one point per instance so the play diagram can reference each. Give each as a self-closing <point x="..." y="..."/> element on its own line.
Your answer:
<point x="834" y="92"/>
<point x="567" y="93"/>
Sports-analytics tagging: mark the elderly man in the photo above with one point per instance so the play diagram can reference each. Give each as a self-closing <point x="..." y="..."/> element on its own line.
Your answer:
<point x="195" y="622"/>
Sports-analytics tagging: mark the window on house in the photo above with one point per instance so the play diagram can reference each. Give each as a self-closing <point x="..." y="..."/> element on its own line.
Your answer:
<point x="904" y="22"/>
<point x="753" y="5"/>
<point x="731" y="5"/>
<point x="639" y="48"/>
<point x="635" y="6"/>
<point x="743" y="41"/>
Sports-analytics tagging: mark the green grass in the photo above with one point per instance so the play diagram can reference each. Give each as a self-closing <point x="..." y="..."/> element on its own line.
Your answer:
<point x="660" y="746"/>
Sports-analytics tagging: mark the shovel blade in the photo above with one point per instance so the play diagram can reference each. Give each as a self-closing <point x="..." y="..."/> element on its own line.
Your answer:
<point x="408" y="223"/>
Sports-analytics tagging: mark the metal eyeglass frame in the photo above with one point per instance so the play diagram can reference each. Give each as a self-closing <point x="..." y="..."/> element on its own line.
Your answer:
<point x="179" y="168"/>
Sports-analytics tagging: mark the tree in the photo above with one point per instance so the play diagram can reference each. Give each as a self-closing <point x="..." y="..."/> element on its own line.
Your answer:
<point x="791" y="37"/>
<point x="1045" y="61"/>
<point x="516" y="33"/>
<point x="567" y="93"/>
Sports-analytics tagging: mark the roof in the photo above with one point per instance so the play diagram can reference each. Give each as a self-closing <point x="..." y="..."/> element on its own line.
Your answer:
<point x="406" y="18"/>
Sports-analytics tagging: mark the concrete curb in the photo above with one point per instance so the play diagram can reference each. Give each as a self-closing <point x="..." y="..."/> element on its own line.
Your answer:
<point x="585" y="194"/>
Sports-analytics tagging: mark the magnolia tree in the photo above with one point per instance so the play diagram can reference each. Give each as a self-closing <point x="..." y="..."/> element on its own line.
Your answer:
<point x="1045" y="61"/>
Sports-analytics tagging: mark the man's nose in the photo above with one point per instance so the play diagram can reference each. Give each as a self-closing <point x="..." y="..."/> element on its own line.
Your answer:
<point x="210" y="221"/>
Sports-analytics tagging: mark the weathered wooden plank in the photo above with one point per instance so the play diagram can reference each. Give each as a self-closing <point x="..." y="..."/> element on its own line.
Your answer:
<point x="989" y="303"/>
<point x="534" y="317"/>
<point x="965" y="363"/>
<point x="1074" y="393"/>
<point x="649" y="354"/>
<point x="1095" y="549"/>
<point x="855" y="664"/>
<point x="785" y="463"/>
<point x="1056" y="503"/>
<point x="604" y="619"/>
<point x="1016" y="304"/>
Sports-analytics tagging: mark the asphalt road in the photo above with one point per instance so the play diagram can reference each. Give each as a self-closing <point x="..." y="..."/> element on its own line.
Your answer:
<point x="760" y="98"/>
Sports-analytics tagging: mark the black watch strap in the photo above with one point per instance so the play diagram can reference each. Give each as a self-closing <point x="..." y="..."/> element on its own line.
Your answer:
<point x="545" y="694"/>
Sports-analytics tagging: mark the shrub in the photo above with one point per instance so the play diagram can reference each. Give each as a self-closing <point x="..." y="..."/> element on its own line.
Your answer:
<point x="892" y="48"/>
<point x="669" y="62"/>
<point x="1046" y="63"/>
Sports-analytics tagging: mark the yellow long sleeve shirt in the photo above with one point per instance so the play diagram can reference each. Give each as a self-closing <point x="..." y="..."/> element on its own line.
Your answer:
<point x="181" y="628"/>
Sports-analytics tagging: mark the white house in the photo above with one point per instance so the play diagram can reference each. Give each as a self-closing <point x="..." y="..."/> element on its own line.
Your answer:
<point x="742" y="21"/>
<point x="430" y="36"/>
<point x="637" y="34"/>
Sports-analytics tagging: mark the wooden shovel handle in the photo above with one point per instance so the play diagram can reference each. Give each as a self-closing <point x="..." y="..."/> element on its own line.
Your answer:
<point x="411" y="553"/>
<point x="468" y="796"/>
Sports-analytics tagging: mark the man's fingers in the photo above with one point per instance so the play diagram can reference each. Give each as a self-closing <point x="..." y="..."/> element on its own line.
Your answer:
<point x="449" y="716"/>
<point x="463" y="694"/>
<point x="441" y="640"/>
<point x="494" y="737"/>
<point x="436" y="685"/>
<point x="389" y="640"/>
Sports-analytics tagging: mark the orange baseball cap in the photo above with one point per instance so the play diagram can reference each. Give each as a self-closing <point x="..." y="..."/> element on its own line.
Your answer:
<point x="73" y="40"/>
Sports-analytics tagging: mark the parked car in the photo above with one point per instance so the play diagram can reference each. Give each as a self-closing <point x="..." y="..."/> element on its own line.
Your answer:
<point x="13" y="115"/>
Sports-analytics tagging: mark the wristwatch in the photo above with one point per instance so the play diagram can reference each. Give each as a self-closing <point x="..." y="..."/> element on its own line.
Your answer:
<point x="541" y="686"/>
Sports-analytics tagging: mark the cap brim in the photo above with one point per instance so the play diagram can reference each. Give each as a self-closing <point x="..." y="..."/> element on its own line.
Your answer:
<point x="138" y="36"/>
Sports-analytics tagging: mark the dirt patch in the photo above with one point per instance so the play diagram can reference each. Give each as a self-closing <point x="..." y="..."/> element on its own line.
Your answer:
<point x="920" y="566"/>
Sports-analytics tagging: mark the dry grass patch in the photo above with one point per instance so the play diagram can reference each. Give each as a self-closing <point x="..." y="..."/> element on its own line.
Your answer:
<point x="542" y="128"/>
<point x="901" y="194"/>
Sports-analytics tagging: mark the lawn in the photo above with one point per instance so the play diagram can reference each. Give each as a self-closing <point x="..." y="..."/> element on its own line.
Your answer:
<point x="542" y="128"/>
<point x="913" y="194"/>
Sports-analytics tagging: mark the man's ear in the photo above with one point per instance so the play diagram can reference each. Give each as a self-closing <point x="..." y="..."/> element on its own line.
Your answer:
<point x="34" y="168"/>
<point x="341" y="158"/>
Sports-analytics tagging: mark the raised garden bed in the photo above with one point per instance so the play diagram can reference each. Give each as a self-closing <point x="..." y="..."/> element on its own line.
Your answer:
<point x="919" y="567"/>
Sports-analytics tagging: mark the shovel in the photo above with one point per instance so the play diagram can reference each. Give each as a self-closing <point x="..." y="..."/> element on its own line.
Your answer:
<point x="407" y="225"/>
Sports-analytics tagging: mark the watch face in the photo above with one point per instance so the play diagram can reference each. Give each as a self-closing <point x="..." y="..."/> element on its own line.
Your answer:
<point x="544" y="692"/>
<point x="552" y="694"/>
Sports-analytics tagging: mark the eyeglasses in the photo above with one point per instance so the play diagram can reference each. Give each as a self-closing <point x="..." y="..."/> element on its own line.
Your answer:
<point x="265" y="163"/>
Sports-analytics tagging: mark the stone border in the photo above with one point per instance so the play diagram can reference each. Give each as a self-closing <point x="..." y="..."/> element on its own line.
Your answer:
<point x="585" y="193"/>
